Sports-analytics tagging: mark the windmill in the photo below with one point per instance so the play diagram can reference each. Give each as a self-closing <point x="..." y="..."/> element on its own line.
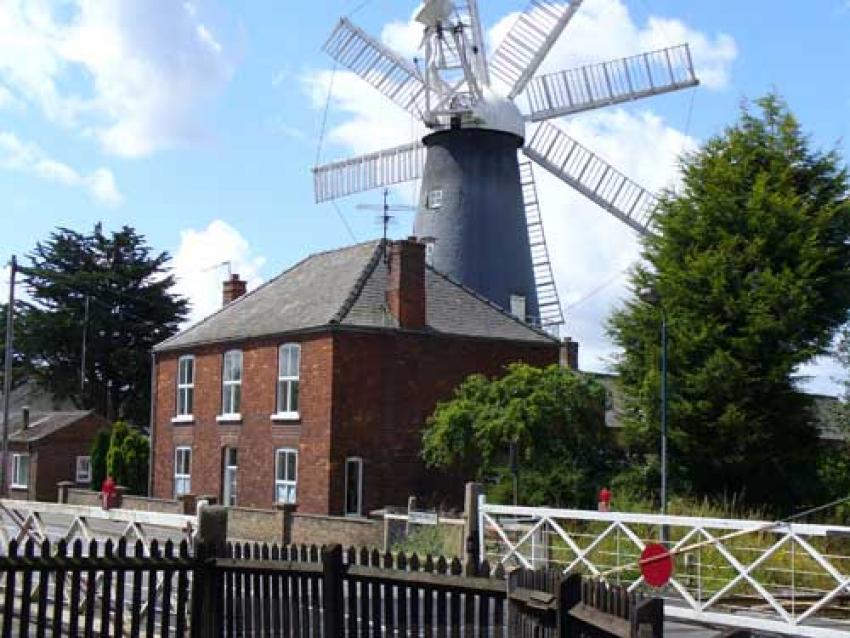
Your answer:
<point x="478" y="198"/>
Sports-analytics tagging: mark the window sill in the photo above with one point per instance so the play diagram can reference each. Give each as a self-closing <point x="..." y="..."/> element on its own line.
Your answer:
<point x="183" y="418"/>
<point x="14" y="486"/>
<point x="229" y="418"/>
<point x="285" y="416"/>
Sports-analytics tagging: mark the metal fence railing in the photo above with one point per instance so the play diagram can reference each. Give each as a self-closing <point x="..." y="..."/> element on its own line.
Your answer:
<point x="787" y="578"/>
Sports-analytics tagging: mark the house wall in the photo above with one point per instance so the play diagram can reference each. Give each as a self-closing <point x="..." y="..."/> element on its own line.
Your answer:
<point x="53" y="458"/>
<point x="385" y="387"/>
<point x="362" y="394"/>
<point x="257" y="437"/>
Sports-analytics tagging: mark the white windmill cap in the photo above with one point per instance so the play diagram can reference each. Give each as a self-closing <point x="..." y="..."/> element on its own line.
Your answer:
<point x="432" y="12"/>
<point x="499" y="113"/>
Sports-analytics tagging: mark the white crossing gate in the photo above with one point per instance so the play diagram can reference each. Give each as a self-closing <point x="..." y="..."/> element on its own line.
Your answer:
<point x="790" y="578"/>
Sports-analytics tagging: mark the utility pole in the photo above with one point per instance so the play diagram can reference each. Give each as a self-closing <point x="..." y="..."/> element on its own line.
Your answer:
<point x="7" y="373"/>
<point x="83" y="354"/>
<point x="664" y="417"/>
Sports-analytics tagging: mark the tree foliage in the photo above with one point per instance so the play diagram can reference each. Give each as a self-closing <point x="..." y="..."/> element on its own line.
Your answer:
<point x="127" y="458"/>
<point x="99" y="450"/>
<point x="556" y="418"/>
<point x="130" y="309"/>
<point x="751" y="264"/>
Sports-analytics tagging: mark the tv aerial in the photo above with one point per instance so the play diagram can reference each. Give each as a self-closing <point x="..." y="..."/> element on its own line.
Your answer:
<point x="385" y="218"/>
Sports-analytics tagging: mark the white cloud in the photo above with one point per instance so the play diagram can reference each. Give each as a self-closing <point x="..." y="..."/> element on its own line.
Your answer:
<point x="372" y="121"/>
<point x="404" y="38"/>
<point x="604" y="29"/>
<point x="131" y="73"/>
<point x="27" y="157"/>
<point x="198" y="270"/>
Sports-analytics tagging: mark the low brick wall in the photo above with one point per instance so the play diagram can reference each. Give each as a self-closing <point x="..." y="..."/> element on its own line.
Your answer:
<point x="328" y="530"/>
<point x="146" y="504"/>
<point x="246" y="524"/>
<point x="81" y="496"/>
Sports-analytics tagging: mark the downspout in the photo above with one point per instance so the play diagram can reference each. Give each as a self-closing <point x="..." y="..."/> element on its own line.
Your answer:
<point x="152" y="424"/>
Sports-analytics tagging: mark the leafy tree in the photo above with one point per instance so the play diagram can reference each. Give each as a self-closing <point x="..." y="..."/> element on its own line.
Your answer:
<point x="19" y="344"/>
<point x="556" y="419"/>
<point x="130" y="308"/>
<point x="127" y="458"/>
<point x="99" y="451"/>
<point x="751" y="264"/>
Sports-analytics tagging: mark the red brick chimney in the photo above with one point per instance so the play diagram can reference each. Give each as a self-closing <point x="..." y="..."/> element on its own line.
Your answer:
<point x="232" y="289"/>
<point x="406" y="283"/>
<point x="569" y="354"/>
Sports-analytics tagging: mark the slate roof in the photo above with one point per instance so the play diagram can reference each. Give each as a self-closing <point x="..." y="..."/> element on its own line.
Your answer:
<point x="347" y="287"/>
<point x="43" y="424"/>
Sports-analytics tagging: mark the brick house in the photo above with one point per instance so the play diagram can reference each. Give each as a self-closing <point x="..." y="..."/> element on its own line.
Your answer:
<point x="315" y="387"/>
<point x="48" y="447"/>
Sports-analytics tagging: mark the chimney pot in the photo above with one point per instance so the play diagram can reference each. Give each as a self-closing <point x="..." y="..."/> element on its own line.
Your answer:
<point x="25" y="416"/>
<point x="232" y="289"/>
<point x="406" y="284"/>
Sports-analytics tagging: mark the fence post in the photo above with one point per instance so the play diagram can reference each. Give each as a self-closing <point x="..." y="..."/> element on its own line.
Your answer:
<point x="332" y="593"/>
<point x="206" y="588"/>
<point x="648" y="619"/>
<point x="569" y="595"/>
<point x="471" y="551"/>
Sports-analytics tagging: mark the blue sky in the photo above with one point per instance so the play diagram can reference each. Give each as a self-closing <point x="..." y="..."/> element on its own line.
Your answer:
<point x="198" y="122"/>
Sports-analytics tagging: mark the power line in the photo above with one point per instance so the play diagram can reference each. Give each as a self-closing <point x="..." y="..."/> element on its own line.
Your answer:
<point x="344" y="221"/>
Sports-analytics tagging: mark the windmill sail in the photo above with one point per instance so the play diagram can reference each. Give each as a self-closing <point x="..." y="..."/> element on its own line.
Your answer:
<point x="548" y="302"/>
<point x="593" y="177"/>
<point x="375" y="170"/>
<point x="378" y="65"/>
<point x="595" y="85"/>
<point x="535" y="31"/>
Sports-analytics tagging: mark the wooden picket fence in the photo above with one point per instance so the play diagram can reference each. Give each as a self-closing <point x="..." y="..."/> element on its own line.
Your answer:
<point x="95" y="588"/>
<point x="215" y="588"/>
<point x="308" y="591"/>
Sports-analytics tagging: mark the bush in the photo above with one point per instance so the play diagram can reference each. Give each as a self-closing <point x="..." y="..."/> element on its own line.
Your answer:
<point x="99" y="451"/>
<point x="128" y="457"/>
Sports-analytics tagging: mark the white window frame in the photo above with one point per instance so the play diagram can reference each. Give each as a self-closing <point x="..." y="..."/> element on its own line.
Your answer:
<point x="83" y="473"/>
<point x="231" y="388"/>
<point x="185" y="388"/>
<point x="358" y="461"/>
<point x="16" y="467"/>
<point x="226" y="489"/>
<point x="286" y="455"/>
<point x="435" y="199"/>
<point x="289" y="411"/>
<point x="182" y="478"/>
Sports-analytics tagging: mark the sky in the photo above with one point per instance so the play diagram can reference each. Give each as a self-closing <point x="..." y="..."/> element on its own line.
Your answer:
<point x="198" y="122"/>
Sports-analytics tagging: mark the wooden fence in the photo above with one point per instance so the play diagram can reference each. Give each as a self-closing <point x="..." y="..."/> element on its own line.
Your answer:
<point x="95" y="589"/>
<point x="221" y="589"/>
<point x="307" y="591"/>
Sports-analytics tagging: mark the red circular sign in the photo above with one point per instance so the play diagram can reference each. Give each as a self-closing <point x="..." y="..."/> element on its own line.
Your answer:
<point x="656" y="565"/>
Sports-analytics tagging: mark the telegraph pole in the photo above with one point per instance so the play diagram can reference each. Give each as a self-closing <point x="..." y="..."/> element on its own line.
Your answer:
<point x="83" y="354"/>
<point x="7" y="373"/>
